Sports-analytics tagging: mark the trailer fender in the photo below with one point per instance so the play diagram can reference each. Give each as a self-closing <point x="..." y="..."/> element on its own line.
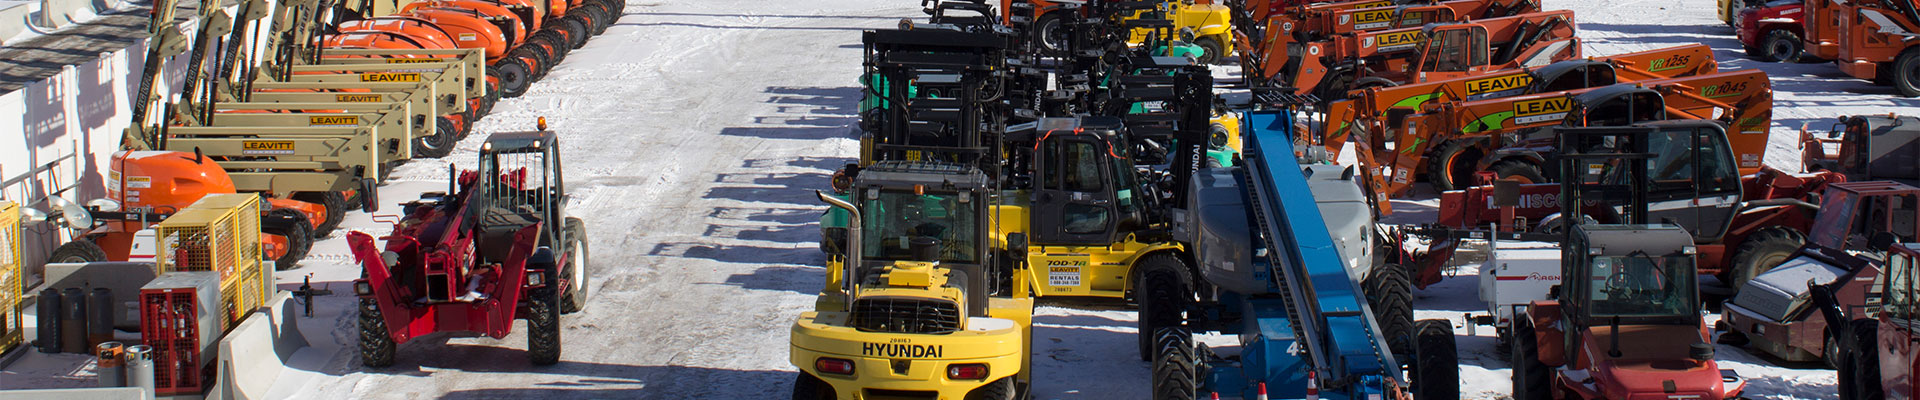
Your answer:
<point x="1546" y="329"/>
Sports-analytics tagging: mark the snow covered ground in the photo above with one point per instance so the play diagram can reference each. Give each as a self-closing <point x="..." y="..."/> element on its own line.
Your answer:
<point x="694" y="133"/>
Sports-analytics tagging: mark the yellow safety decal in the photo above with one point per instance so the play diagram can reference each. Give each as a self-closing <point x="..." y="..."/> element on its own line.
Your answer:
<point x="1498" y="84"/>
<point x="1531" y="111"/>
<point x="390" y="77"/>
<point x="344" y="120"/>
<point x="267" y="147"/>
<point x="140" y="182"/>
<point x="1372" y="19"/>
<point x="357" y="98"/>
<point x="413" y="60"/>
<point x="1396" y="40"/>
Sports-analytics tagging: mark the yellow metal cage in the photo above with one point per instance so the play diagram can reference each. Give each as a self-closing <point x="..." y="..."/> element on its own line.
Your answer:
<point x="220" y="232"/>
<point x="11" y="277"/>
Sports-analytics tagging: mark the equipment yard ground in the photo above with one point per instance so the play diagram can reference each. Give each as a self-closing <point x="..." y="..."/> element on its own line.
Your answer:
<point x="697" y="132"/>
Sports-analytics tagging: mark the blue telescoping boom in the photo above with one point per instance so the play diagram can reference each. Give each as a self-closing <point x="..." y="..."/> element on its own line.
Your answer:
<point x="1310" y="319"/>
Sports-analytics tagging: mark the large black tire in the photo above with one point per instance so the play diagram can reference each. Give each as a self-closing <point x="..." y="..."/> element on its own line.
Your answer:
<point x="516" y="76"/>
<point x="1163" y="287"/>
<point x="1453" y="164"/>
<point x="1780" y="45"/>
<point x="609" y="13"/>
<point x="1436" y="366"/>
<point x="808" y="387"/>
<point x="1530" y="376"/>
<point x="1372" y="82"/>
<point x="79" y="250"/>
<point x="543" y="325"/>
<point x="1906" y="73"/>
<point x="1390" y="294"/>
<point x="376" y="344"/>
<point x="1866" y="361"/>
<point x="1761" y="251"/>
<point x="555" y="41"/>
<point x="577" y="30"/>
<point x="576" y="268"/>
<point x="1051" y="29"/>
<point x="1518" y="169"/>
<point x="1335" y="87"/>
<point x="493" y="94"/>
<point x="1174" y="374"/>
<point x="1215" y="51"/>
<point x="440" y="143"/>
<point x="1002" y="389"/>
<point x="336" y="208"/>
<point x="299" y="237"/>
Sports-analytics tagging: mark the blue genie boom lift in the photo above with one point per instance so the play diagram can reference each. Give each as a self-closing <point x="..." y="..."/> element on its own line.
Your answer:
<point x="1269" y="271"/>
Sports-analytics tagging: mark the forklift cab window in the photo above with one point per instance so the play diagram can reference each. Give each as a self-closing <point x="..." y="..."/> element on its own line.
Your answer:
<point x="1834" y="220"/>
<point x="1080" y="163"/>
<point x="1901" y="213"/>
<point x="895" y="217"/>
<point x="1456" y="50"/>
<point x="1640" y="285"/>
<point x="1718" y="174"/>
<point x="1899" y="285"/>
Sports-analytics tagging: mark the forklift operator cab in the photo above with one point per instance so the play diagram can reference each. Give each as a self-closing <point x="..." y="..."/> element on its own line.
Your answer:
<point x="1691" y="160"/>
<point x="1640" y="285"/>
<point x="1083" y="173"/>
<point x="1841" y="225"/>
<point x="897" y="218"/>
<point x="1454" y="48"/>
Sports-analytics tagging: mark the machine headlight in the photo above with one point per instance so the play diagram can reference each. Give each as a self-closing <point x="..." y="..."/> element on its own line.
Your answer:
<point x="107" y="205"/>
<point x="536" y="279"/>
<point x="362" y="288"/>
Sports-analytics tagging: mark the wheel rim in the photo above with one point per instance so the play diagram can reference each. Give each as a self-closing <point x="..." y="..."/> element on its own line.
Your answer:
<point x="1052" y="36"/>
<point x="1913" y="75"/>
<point x="574" y="255"/>
<point x="513" y="77"/>
<point x="1781" y="50"/>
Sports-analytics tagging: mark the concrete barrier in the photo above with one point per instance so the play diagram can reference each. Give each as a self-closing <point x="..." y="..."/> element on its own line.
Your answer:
<point x="254" y="354"/>
<point x="14" y="17"/>
<point x="56" y="14"/>
<point x="119" y="393"/>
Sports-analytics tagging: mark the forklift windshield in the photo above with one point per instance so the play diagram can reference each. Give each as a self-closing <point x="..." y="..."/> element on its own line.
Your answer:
<point x="1639" y="285"/>
<point x="895" y="217"/>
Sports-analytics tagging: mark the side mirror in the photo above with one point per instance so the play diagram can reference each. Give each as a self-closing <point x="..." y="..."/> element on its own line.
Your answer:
<point x="1017" y="244"/>
<point x="1881" y="241"/>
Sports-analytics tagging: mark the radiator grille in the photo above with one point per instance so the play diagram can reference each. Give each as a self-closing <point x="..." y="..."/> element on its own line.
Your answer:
<point x="905" y="315"/>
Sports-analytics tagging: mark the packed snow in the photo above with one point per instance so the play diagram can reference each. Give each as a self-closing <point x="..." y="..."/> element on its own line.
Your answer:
<point x="695" y="133"/>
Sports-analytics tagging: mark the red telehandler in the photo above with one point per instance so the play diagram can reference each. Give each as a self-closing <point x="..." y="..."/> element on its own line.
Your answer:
<point x="497" y="246"/>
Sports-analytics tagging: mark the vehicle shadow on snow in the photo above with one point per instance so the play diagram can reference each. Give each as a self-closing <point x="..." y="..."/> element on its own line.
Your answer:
<point x="590" y="380"/>
<point x="683" y="14"/>
<point x="790" y="216"/>
<point x="807" y="280"/>
<point x="806" y="113"/>
<point x="741" y="254"/>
